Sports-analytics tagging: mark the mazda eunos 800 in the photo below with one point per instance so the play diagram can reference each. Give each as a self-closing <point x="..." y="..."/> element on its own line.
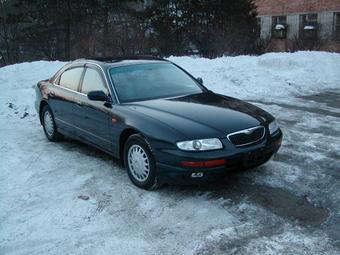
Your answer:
<point x="163" y="124"/>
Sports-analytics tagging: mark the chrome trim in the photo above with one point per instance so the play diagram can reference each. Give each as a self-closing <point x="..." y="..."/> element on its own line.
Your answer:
<point x="65" y="122"/>
<point x="71" y="90"/>
<point x="247" y="131"/>
<point x="92" y="63"/>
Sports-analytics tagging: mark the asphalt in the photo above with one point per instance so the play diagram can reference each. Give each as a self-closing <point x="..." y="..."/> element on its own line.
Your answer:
<point x="310" y="203"/>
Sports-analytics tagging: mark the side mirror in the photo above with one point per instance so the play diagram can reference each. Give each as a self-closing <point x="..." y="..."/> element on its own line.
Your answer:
<point x="98" y="95"/>
<point x="200" y="80"/>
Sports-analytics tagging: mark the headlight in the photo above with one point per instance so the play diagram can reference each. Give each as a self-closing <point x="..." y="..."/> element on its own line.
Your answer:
<point x="273" y="127"/>
<point x="200" y="145"/>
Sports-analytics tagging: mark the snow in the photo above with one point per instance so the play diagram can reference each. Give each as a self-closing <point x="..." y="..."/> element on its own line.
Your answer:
<point x="309" y="28"/>
<point x="280" y="27"/>
<point x="257" y="212"/>
<point x="268" y="77"/>
<point x="17" y="83"/>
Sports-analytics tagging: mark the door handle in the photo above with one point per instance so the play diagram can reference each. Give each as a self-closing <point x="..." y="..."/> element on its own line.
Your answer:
<point x="80" y="104"/>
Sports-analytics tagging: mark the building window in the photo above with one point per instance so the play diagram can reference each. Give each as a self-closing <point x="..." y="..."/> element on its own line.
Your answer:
<point x="258" y="27"/>
<point x="309" y="25"/>
<point x="337" y="25"/>
<point x="279" y="26"/>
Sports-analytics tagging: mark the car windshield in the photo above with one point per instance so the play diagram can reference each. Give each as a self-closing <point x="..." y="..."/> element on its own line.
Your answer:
<point x="150" y="81"/>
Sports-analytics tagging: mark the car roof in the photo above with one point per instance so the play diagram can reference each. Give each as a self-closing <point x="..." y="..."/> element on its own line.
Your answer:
<point x="121" y="60"/>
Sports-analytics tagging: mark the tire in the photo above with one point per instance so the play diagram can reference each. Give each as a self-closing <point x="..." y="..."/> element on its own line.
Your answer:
<point x="140" y="163"/>
<point x="49" y="125"/>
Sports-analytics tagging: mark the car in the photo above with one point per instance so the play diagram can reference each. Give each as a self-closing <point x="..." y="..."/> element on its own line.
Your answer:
<point x="162" y="123"/>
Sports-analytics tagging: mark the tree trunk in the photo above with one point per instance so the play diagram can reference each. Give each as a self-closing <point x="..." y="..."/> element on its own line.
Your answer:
<point x="105" y="28"/>
<point x="67" y="42"/>
<point x="67" y="32"/>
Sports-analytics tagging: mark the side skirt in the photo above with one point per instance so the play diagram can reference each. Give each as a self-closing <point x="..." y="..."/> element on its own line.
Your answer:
<point x="75" y="137"/>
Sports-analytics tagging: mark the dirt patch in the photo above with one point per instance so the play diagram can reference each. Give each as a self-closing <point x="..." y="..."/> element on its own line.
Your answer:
<point x="287" y="205"/>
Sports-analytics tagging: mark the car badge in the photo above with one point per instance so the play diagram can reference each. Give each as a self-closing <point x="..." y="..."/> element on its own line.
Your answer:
<point x="249" y="131"/>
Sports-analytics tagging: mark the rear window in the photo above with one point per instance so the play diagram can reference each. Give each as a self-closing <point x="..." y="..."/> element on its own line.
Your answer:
<point x="71" y="77"/>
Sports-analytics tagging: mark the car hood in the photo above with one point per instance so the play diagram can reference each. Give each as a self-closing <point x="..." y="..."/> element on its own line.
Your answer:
<point x="203" y="115"/>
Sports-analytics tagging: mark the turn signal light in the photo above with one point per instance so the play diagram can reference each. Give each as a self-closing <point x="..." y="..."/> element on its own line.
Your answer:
<point x="278" y="142"/>
<point x="208" y="163"/>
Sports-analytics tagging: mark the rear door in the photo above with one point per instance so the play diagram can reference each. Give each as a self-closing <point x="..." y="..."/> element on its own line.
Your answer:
<point x="94" y="117"/>
<point x="62" y="96"/>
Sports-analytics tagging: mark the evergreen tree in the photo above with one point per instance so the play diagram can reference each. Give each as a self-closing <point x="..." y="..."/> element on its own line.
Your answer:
<point x="213" y="27"/>
<point x="67" y="29"/>
<point x="47" y="24"/>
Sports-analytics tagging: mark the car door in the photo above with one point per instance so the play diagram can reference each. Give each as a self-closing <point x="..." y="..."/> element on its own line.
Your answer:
<point x="62" y="97"/>
<point x="94" y="117"/>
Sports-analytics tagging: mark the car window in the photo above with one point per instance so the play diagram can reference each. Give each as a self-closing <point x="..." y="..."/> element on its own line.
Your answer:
<point x="71" y="77"/>
<point x="148" y="81"/>
<point x="93" y="81"/>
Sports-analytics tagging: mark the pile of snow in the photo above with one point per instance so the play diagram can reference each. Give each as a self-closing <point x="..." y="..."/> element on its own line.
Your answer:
<point x="280" y="27"/>
<point x="309" y="28"/>
<point x="268" y="77"/>
<point x="17" y="86"/>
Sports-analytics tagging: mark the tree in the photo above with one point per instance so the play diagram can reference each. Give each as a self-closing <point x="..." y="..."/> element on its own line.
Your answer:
<point x="9" y="30"/>
<point x="214" y="27"/>
<point x="68" y="29"/>
<point x="47" y="24"/>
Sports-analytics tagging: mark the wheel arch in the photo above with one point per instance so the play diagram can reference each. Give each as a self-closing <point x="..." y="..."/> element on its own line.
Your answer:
<point x="122" y="140"/>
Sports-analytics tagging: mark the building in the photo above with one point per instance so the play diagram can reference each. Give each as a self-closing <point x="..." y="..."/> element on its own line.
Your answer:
<point x="289" y="20"/>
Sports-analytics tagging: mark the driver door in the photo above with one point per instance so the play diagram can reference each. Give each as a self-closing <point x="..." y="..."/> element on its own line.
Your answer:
<point x="93" y="117"/>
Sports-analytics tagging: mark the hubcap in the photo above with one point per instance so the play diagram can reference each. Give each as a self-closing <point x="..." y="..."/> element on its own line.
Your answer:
<point x="48" y="123"/>
<point x="138" y="163"/>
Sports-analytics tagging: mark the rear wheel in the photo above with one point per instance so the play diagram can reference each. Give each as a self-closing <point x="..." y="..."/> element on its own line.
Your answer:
<point x="140" y="163"/>
<point x="50" y="127"/>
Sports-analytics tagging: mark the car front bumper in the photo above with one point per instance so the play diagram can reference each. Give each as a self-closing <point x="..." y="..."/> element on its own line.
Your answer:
<point x="248" y="157"/>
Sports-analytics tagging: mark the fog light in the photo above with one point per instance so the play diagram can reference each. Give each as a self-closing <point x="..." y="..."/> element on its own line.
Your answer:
<point x="278" y="142"/>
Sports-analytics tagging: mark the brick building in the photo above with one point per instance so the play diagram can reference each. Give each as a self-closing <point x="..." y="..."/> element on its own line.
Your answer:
<point x="287" y="20"/>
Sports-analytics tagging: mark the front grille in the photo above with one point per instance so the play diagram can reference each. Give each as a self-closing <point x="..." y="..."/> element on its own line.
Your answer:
<point x="247" y="136"/>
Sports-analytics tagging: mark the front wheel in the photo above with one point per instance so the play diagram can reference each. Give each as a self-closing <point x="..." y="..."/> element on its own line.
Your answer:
<point x="140" y="163"/>
<point x="50" y="127"/>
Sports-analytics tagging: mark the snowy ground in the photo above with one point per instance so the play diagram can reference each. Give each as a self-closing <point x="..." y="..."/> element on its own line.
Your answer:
<point x="291" y="205"/>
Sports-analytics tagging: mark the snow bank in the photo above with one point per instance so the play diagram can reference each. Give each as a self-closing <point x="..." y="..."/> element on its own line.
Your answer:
<point x="17" y="83"/>
<point x="267" y="77"/>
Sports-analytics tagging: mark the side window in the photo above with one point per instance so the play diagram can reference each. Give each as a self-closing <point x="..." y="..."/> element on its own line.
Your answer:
<point x="309" y="25"/>
<point x="71" y="77"/>
<point x="337" y="25"/>
<point x="258" y="27"/>
<point x="279" y="27"/>
<point x="93" y="81"/>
